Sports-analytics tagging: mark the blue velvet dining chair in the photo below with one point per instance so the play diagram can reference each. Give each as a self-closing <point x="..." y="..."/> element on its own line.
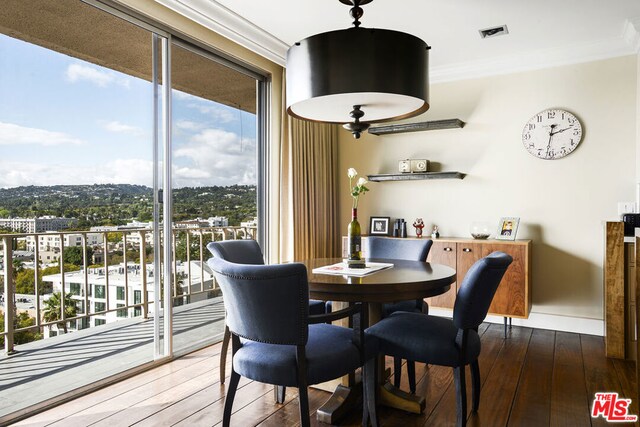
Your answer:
<point x="246" y="252"/>
<point x="413" y="250"/>
<point x="274" y="339"/>
<point x="441" y="341"/>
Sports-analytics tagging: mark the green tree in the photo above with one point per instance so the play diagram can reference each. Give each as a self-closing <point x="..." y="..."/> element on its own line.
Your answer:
<point x="22" y="320"/>
<point x="55" y="269"/>
<point x="52" y="309"/>
<point x="114" y="237"/>
<point x="25" y="280"/>
<point x="73" y="255"/>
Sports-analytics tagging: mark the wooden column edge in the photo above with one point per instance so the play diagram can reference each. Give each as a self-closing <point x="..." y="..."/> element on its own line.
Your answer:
<point x="614" y="300"/>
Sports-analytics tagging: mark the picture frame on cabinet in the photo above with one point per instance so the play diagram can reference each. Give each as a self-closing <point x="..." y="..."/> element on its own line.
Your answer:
<point x="379" y="225"/>
<point x="507" y="228"/>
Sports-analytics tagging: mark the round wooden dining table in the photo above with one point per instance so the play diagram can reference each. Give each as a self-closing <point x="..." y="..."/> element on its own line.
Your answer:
<point x="406" y="280"/>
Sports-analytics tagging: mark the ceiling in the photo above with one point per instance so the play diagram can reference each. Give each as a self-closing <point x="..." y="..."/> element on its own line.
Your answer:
<point x="542" y="33"/>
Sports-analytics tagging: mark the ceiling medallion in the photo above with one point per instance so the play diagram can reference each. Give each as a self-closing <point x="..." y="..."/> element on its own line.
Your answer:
<point x="344" y="76"/>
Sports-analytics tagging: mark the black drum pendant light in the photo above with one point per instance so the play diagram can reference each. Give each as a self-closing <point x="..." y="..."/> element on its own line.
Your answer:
<point x="358" y="76"/>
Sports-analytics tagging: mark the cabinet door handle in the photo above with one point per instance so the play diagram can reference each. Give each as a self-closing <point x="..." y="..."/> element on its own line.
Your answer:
<point x="448" y="249"/>
<point x="466" y="249"/>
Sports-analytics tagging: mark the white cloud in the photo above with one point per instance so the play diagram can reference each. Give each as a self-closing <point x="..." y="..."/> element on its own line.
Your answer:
<point x="100" y="77"/>
<point x="119" y="171"/>
<point x="189" y="125"/>
<point x="12" y="134"/>
<point x="190" y="173"/>
<point x="216" y="157"/>
<point x="125" y="171"/>
<point x="211" y="157"/>
<point x="218" y="114"/>
<point x="117" y="127"/>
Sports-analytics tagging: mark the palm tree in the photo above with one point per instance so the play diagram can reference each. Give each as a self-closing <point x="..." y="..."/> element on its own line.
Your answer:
<point x="52" y="310"/>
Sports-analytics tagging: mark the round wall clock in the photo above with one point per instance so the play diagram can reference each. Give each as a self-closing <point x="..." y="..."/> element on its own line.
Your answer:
<point x="552" y="134"/>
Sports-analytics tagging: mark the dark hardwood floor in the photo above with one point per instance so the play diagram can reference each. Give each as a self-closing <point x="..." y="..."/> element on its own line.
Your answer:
<point x="533" y="378"/>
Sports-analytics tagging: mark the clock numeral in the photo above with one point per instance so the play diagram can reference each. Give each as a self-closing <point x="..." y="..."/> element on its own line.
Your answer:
<point x="527" y="136"/>
<point x="531" y="145"/>
<point x="551" y="114"/>
<point x="563" y="116"/>
<point x="571" y="120"/>
<point x="576" y="132"/>
<point x="572" y="143"/>
<point x="539" y="118"/>
<point x="551" y="154"/>
<point x="532" y="126"/>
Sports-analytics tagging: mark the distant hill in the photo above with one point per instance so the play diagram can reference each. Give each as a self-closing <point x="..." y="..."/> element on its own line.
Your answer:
<point x="114" y="204"/>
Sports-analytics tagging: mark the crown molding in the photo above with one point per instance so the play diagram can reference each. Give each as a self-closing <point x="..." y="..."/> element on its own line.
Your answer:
<point x="227" y="23"/>
<point x="631" y="33"/>
<point x="535" y="60"/>
<point x="218" y="18"/>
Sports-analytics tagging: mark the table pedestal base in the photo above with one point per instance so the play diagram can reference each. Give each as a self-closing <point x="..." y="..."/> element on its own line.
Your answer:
<point x="343" y="400"/>
<point x="346" y="399"/>
<point x="393" y="397"/>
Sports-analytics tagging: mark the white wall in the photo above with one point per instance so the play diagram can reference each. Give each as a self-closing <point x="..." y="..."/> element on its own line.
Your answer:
<point x="561" y="203"/>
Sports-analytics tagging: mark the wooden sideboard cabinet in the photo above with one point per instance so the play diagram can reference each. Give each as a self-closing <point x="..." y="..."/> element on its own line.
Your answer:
<point x="513" y="297"/>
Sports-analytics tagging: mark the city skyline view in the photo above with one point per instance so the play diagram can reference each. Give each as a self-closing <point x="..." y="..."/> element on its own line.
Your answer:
<point x="66" y="121"/>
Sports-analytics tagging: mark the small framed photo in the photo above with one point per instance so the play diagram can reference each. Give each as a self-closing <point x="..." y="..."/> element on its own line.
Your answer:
<point x="507" y="228"/>
<point x="379" y="225"/>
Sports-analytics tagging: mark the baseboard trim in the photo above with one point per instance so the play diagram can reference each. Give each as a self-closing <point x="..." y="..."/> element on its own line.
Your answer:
<point x="579" y="325"/>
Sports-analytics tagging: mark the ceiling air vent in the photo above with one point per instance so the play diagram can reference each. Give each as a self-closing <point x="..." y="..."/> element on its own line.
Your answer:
<point x="494" y="31"/>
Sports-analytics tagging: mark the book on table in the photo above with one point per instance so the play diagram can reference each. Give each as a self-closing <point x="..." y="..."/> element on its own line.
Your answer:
<point x="341" y="269"/>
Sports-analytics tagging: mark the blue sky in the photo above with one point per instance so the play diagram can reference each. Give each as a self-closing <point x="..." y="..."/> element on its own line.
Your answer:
<point x="67" y="121"/>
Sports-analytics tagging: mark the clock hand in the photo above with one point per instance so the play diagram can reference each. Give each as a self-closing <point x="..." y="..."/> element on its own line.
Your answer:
<point x="561" y="130"/>
<point x="551" y="133"/>
<point x="549" y="144"/>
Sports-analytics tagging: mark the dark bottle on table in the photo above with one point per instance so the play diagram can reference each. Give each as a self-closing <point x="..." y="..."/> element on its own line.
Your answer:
<point x="354" y="237"/>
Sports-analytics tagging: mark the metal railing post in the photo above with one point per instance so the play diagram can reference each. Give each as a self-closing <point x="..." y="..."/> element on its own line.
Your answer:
<point x="37" y="278"/>
<point x="85" y="280"/>
<point x="201" y="260"/>
<point x="126" y="275"/>
<point x="62" y="284"/>
<point x="174" y="266"/>
<point x="188" y="263"/>
<point x="143" y="275"/>
<point x="8" y="295"/>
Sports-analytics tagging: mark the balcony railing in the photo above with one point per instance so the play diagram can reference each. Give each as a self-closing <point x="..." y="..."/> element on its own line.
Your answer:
<point x="134" y="271"/>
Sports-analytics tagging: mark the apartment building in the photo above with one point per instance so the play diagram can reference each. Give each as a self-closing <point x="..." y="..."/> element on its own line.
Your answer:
<point x="37" y="225"/>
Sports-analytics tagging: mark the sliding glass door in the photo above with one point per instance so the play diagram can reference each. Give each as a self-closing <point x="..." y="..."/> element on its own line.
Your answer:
<point x="214" y="182"/>
<point x="124" y="152"/>
<point x="78" y="180"/>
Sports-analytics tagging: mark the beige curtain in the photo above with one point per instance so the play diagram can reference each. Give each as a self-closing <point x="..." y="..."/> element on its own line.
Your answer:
<point x="309" y="179"/>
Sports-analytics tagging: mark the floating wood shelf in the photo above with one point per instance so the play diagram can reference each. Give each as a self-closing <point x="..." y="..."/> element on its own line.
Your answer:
<point x="415" y="176"/>
<point x="416" y="127"/>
